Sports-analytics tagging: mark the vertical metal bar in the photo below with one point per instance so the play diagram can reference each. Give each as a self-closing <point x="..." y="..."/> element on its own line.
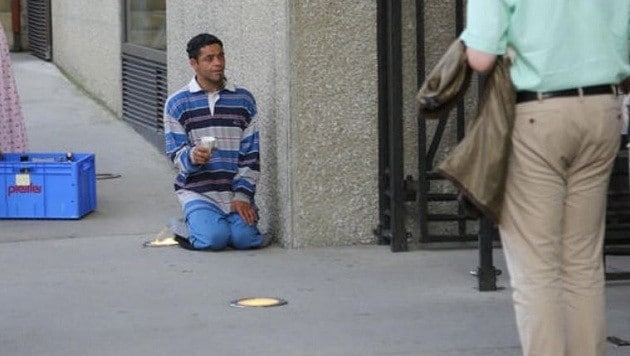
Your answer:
<point x="461" y="111"/>
<point x="459" y="16"/>
<point x="384" y="228"/>
<point x="423" y="182"/>
<point x="420" y="43"/>
<point x="486" y="273"/>
<point x="435" y="144"/>
<point x="395" y="102"/>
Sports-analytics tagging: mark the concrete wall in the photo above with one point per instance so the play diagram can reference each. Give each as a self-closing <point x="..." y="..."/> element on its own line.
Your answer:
<point x="86" y="46"/>
<point x="334" y="111"/>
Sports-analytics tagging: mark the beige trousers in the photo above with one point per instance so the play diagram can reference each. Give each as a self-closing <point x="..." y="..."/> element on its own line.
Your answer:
<point x="553" y="220"/>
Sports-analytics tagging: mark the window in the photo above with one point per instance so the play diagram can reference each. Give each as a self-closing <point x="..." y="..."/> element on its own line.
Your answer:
<point x="144" y="75"/>
<point x="146" y="23"/>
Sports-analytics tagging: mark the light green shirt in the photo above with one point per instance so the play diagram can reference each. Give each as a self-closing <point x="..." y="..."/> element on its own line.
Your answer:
<point x="559" y="44"/>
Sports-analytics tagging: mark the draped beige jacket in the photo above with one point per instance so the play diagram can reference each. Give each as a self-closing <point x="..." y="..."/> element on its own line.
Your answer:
<point x="478" y="164"/>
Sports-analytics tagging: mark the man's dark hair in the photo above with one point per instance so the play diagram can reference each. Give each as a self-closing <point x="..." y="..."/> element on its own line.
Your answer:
<point x="201" y="40"/>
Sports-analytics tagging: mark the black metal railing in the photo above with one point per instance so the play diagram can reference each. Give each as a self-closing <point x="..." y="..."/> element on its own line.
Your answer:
<point x="394" y="188"/>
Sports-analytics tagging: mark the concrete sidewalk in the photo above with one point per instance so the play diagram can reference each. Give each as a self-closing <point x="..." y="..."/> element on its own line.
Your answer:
<point x="61" y="118"/>
<point x="87" y="287"/>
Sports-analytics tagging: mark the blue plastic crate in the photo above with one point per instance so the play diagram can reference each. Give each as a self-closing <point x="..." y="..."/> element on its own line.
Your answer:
<point x="47" y="185"/>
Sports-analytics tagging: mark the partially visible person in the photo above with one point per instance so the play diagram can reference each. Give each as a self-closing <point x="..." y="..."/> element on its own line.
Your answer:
<point x="570" y="56"/>
<point x="12" y="129"/>
<point x="215" y="186"/>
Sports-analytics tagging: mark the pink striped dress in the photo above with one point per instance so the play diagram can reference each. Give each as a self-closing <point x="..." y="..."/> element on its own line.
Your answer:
<point x="12" y="128"/>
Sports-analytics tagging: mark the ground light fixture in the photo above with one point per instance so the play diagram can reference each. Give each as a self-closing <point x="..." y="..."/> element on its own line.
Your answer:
<point x="257" y="302"/>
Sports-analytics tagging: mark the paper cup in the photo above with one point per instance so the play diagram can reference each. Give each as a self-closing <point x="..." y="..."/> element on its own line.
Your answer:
<point x="208" y="142"/>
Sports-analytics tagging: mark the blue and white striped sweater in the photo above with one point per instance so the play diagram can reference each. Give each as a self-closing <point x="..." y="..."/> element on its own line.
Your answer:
<point x="233" y="170"/>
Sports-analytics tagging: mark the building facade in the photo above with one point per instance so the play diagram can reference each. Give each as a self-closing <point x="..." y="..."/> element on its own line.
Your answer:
<point x="313" y="67"/>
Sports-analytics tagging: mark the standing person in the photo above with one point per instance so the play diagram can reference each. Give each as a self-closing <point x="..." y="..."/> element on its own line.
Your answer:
<point x="569" y="57"/>
<point x="215" y="186"/>
<point x="12" y="128"/>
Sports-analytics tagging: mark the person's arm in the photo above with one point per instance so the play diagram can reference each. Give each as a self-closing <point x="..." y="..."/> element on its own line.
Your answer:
<point x="178" y="148"/>
<point x="485" y="33"/>
<point x="244" y="183"/>
<point x="479" y="61"/>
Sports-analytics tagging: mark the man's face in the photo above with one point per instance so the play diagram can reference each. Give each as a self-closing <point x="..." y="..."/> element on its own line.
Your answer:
<point x="210" y="67"/>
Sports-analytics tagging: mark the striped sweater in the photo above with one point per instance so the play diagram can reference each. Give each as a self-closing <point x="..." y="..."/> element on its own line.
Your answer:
<point x="232" y="172"/>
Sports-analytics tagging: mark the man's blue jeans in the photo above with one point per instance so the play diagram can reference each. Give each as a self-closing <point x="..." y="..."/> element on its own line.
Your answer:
<point x="214" y="230"/>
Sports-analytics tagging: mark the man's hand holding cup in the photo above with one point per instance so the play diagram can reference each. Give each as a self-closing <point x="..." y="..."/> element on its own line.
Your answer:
<point x="202" y="152"/>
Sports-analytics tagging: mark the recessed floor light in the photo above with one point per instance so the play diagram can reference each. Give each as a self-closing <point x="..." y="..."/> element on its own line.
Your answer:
<point x="258" y="302"/>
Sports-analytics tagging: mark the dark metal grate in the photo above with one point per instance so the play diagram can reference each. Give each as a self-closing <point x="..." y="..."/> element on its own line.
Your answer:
<point x="144" y="85"/>
<point x="39" y="29"/>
